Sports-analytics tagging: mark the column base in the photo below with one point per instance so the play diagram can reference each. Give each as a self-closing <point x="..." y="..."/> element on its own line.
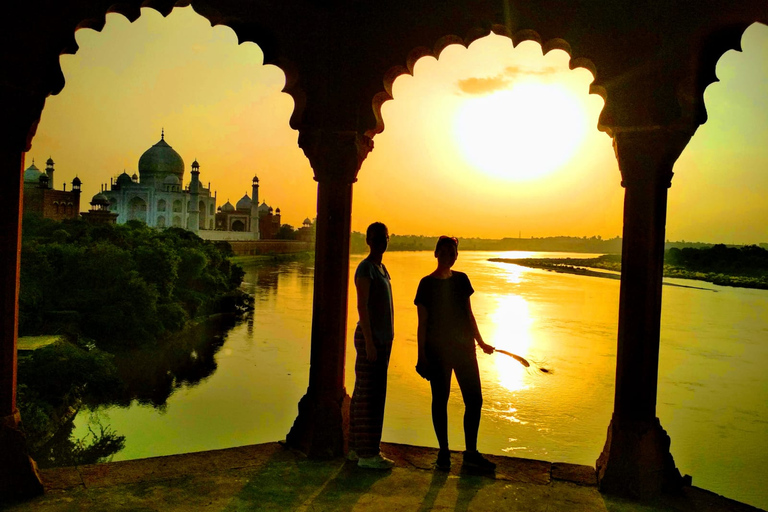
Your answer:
<point x="321" y="429"/>
<point x="636" y="461"/>
<point x="19" y="477"/>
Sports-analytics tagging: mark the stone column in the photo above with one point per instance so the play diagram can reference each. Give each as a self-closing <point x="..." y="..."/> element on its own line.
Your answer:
<point x="321" y="427"/>
<point x="636" y="460"/>
<point x="18" y="472"/>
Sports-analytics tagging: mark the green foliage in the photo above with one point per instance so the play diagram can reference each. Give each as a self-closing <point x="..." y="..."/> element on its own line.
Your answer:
<point x="120" y="284"/>
<point x="63" y="373"/>
<point x="745" y="266"/>
<point x="748" y="260"/>
<point x="53" y="383"/>
<point x="286" y="232"/>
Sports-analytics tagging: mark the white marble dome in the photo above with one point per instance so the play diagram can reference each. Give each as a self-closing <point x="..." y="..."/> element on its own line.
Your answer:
<point x="159" y="160"/>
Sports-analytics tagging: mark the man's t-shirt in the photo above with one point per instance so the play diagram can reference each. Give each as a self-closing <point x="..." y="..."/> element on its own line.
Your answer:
<point x="380" y="310"/>
<point x="448" y="325"/>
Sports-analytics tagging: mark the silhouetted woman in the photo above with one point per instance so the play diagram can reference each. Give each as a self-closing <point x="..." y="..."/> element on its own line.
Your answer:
<point x="373" y="343"/>
<point x="446" y="337"/>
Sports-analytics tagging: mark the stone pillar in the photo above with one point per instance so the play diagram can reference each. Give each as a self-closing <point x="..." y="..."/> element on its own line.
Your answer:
<point x="18" y="472"/>
<point x="321" y="427"/>
<point x="636" y="460"/>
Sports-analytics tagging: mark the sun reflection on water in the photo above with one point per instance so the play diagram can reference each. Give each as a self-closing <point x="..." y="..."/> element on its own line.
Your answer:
<point x="509" y="329"/>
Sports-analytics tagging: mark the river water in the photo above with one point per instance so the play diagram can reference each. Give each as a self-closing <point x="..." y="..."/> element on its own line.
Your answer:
<point x="713" y="386"/>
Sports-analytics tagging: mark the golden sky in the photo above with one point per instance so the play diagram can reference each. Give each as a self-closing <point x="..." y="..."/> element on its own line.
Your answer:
<point x="490" y="141"/>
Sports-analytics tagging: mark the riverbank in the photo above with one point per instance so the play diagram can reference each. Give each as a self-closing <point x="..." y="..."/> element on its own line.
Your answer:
<point x="268" y="247"/>
<point x="270" y="259"/>
<point x="612" y="265"/>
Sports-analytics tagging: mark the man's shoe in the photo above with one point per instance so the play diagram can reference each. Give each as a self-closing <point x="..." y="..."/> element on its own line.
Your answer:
<point x="375" y="462"/>
<point x="443" y="461"/>
<point x="473" y="460"/>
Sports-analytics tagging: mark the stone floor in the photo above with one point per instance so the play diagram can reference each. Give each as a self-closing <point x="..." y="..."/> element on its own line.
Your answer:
<point x="270" y="477"/>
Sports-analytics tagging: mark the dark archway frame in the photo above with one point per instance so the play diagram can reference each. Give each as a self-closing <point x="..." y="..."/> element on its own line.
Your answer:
<point x="652" y="62"/>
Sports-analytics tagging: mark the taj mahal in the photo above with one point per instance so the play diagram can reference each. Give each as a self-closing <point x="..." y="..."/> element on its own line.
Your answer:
<point x="157" y="197"/>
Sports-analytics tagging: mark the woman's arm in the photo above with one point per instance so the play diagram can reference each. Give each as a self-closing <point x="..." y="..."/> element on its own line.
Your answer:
<point x="476" y="331"/>
<point x="363" y="285"/>
<point x="421" y="333"/>
<point x="422" y="366"/>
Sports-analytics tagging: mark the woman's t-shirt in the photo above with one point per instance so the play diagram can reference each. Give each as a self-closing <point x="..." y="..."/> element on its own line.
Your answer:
<point x="448" y="324"/>
<point x="380" y="310"/>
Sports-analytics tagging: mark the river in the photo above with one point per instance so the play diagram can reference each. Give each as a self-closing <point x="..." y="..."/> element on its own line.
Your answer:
<point x="712" y="397"/>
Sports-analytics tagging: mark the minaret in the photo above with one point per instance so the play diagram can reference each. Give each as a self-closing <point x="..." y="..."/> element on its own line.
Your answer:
<point x="76" y="188"/>
<point x="193" y="214"/>
<point x="49" y="171"/>
<point x="255" y="209"/>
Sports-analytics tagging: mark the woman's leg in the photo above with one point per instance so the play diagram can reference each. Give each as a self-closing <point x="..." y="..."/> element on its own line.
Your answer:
<point x="377" y="400"/>
<point x="468" y="377"/>
<point x="366" y="412"/>
<point x="441" y="389"/>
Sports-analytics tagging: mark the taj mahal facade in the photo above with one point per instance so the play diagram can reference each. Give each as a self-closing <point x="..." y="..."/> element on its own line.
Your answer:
<point x="157" y="197"/>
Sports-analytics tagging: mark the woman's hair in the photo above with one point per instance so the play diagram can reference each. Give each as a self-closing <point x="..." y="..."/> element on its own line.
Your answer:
<point x="375" y="229"/>
<point x="447" y="240"/>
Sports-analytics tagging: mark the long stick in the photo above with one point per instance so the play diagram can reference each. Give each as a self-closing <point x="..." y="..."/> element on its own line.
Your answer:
<point x="523" y="361"/>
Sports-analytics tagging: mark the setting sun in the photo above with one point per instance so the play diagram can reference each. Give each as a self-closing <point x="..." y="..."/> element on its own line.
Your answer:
<point x="521" y="133"/>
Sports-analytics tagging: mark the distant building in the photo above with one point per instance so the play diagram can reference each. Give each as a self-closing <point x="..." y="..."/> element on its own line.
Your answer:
<point x="248" y="216"/>
<point x="41" y="197"/>
<point x="156" y="196"/>
<point x="243" y="217"/>
<point x="306" y="233"/>
<point x="99" y="212"/>
<point x="269" y="221"/>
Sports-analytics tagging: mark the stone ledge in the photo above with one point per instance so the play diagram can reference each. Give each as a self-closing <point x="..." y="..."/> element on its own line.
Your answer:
<point x="575" y="473"/>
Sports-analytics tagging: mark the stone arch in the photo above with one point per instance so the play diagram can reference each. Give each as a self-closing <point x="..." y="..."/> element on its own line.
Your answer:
<point x="691" y="91"/>
<point x="476" y="33"/>
<point x="161" y="205"/>
<point x="93" y="16"/>
<point x="160" y="221"/>
<point x="201" y="208"/>
<point x="177" y="206"/>
<point x="137" y="209"/>
<point x="176" y="222"/>
<point x="238" y="225"/>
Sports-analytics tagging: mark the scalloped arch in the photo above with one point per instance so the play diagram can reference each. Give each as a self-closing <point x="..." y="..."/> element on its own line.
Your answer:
<point x="691" y="90"/>
<point x="518" y="37"/>
<point x="259" y="35"/>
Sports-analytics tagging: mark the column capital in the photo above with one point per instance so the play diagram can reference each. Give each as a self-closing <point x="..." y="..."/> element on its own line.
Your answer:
<point x="647" y="155"/>
<point x="335" y="155"/>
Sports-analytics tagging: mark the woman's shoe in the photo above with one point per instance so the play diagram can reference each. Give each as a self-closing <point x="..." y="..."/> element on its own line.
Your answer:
<point x="473" y="460"/>
<point x="376" y="462"/>
<point x="443" y="461"/>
